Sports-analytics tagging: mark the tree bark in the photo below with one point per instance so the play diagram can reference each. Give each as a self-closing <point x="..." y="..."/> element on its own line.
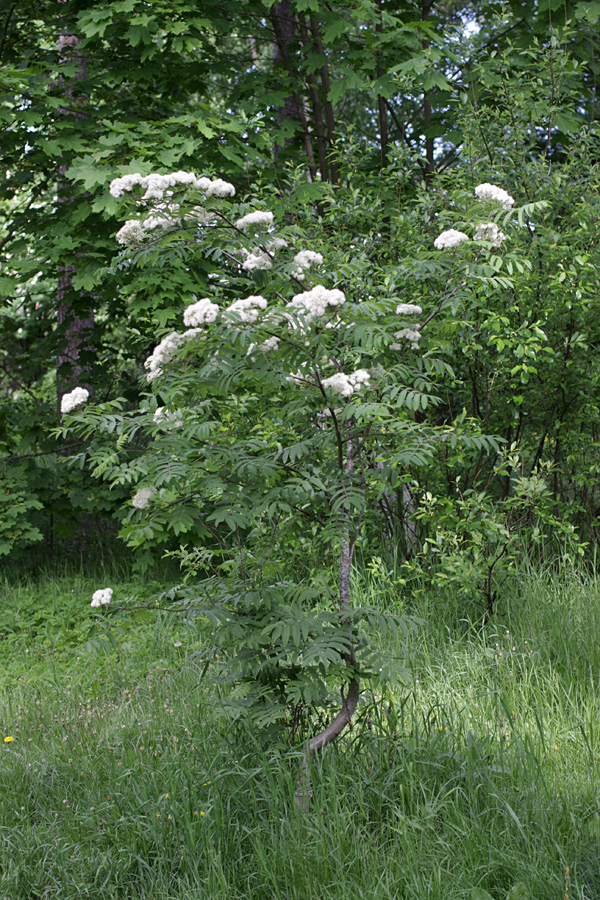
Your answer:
<point x="284" y="30"/>
<point x="381" y="104"/>
<point x="429" y="158"/>
<point x="351" y="696"/>
<point x="75" y="324"/>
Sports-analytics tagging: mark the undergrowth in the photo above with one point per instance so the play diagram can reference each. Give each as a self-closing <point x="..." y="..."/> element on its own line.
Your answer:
<point x="124" y="780"/>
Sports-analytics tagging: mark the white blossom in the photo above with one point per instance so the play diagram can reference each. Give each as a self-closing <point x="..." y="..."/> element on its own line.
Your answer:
<point x="155" y="185"/>
<point x="131" y="232"/>
<point x="163" y="221"/>
<point x="271" y="343"/>
<point x="258" y="219"/>
<point x="191" y="333"/>
<point x="313" y="304"/>
<point x="202" y="183"/>
<point x="276" y="243"/>
<point x="163" y="416"/>
<point x="256" y="260"/>
<point x="183" y="177"/>
<point x="339" y="383"/>
<point x="489" y="231"/>
<point x="408" y="309"/>
<point x="200" y="313"/>
<point x="359" y="378"/>
<point x="143" y="497"/>
<point x="448" y="239"/>
<point x="249" y="308"/>
<point x="126" y="183"/>
<point x="305" y="259"/>
<point x="220" y="188"/>
<point x="489" y="191"/>
<point x="162" y="354"/>
<point x="75" y="398"/>
<point x="163" y="216"/>
<point x="346" y="385"/>
<point x="101" y="597"/>
<point x="407" y="334"/>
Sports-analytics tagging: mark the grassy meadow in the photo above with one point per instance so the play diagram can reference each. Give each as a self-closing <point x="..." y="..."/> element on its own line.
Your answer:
<point x="120" y="778"/>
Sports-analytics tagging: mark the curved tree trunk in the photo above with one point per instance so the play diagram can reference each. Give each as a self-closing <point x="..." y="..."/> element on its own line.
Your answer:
<point x="352" y="694"/>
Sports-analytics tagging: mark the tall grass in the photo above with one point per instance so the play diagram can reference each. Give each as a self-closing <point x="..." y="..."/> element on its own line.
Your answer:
<point x="125" y="781"/>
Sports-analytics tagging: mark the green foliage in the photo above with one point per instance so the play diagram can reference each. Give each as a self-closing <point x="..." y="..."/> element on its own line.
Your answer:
<point x="473" y="543"/>
<point x="107" y="747"/>
<point x="16" y="503"/>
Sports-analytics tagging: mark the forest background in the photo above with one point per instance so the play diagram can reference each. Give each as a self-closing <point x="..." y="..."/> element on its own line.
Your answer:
<point x="472" y="498"/>
<point x="365" y="114"/>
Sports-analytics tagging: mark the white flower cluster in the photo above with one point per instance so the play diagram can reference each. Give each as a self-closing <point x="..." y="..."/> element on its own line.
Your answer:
<point x="143" y="497"/>
<point x="155" y="185"/>
<point x="163" y="216"/>
<point x="249" y="308"/>
<point x="407" y="334"/>
<point x="276" y="243"/>
<point x="255" y="220"/>
<point x="271" y="343"/>
<point x="489" y="191"/>
<point x="304" y="260"/>
<point x="256" y="259"/>
<point x="101" y="597"/>
<point x="408" y="309"/>
<point x="346" y="385"/>
<point x="448" y="239"/>
<point x="163" y="353"/>
<point x="163" y="416"/>
<point x="313" y="304"/>
<point x="200" y="313"/>
<point x="131" y="232"/>
<point x="75" y="398"/>
<point x="489" y="231"/>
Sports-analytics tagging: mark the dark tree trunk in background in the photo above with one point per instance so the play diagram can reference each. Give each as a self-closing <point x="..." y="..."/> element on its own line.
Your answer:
<point x="75" y="314"/>
<point x="284" y="31"/>
<point x="429" y="160"/>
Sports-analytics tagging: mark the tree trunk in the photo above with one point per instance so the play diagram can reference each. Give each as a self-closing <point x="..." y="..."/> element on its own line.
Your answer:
<point x="429" y="159"/>
<point x="350" y="697"/>
<point x="75" y="319"/>
<point x="284" y="30"/>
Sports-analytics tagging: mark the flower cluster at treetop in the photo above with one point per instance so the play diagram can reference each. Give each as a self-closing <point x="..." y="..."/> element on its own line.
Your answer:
<point x="155" y="185"/>
<point x="158" y="189"/>
<point x="311" y="305"/>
